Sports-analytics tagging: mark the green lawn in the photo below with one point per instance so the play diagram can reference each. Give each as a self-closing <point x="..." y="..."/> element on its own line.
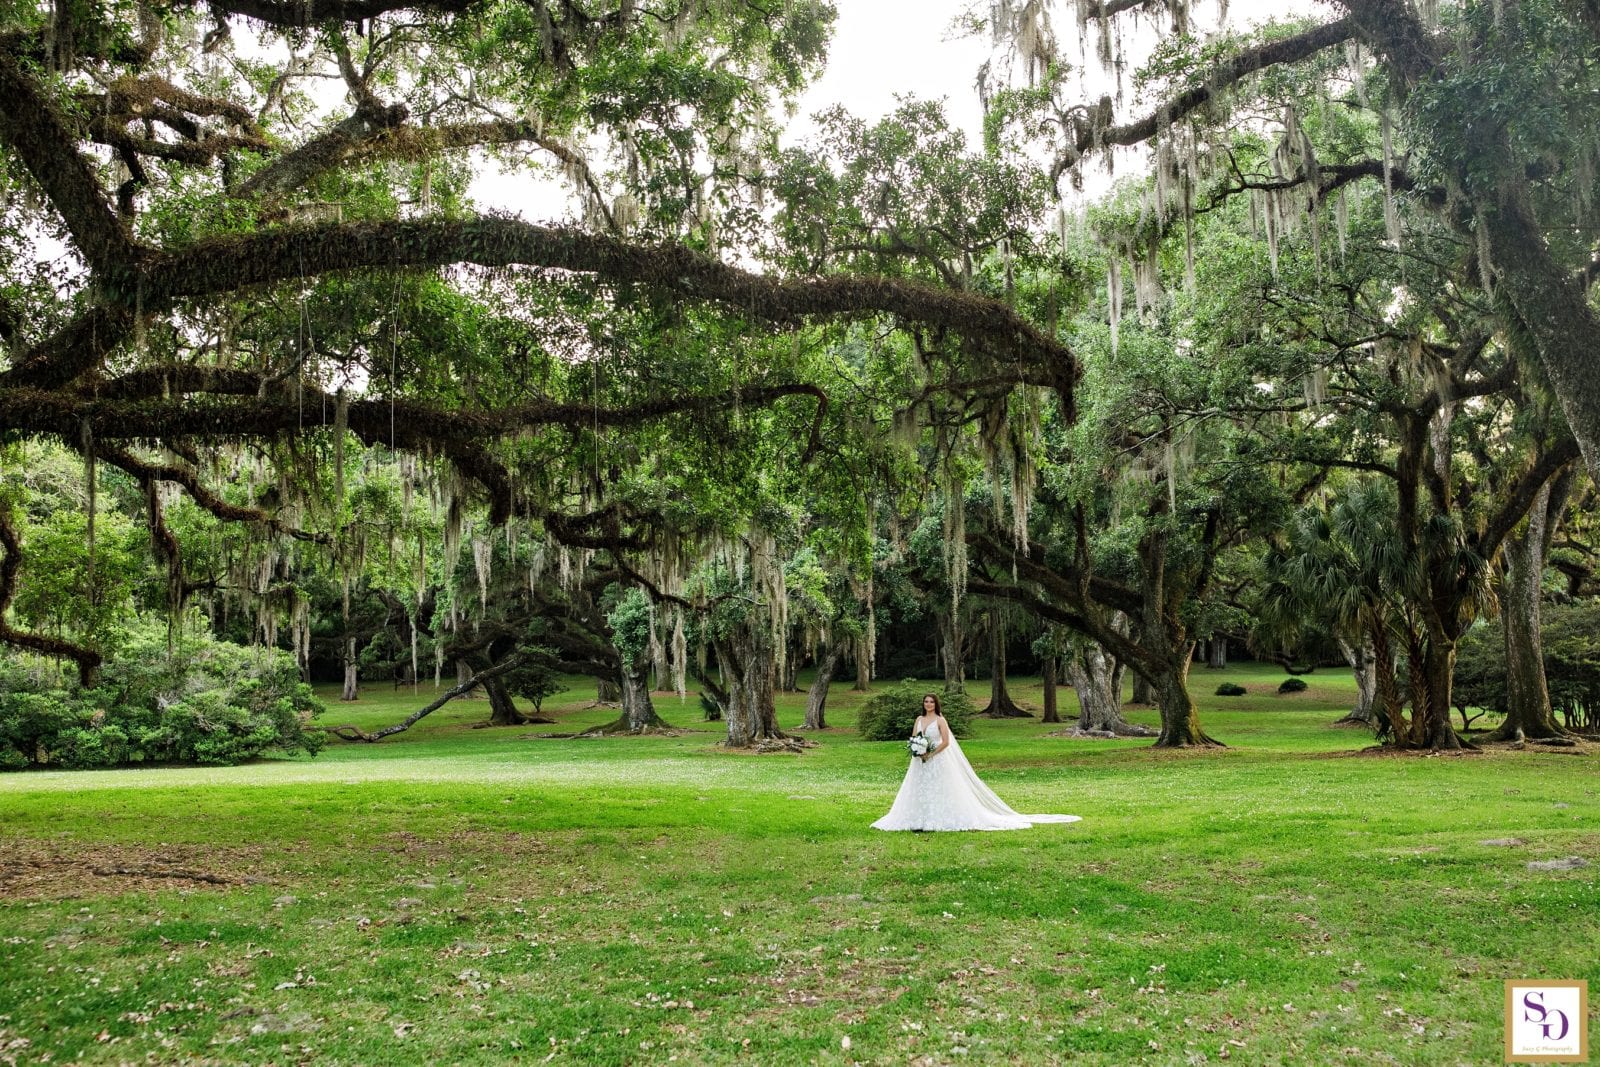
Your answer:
<point x="454" y="895"/>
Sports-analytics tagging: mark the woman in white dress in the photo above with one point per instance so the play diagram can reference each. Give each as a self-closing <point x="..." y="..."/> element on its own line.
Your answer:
<point x="941" y="791"/>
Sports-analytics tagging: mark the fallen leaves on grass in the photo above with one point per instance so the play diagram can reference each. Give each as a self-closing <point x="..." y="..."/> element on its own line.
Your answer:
<point x="62" y="870"/>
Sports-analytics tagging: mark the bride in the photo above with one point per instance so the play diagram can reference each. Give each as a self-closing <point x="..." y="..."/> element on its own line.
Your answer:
<point x="941" y="791"/>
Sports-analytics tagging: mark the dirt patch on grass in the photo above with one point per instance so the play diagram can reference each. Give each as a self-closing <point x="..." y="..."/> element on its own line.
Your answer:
<point x="476" y="843"/>
<point x="42" y="870"/>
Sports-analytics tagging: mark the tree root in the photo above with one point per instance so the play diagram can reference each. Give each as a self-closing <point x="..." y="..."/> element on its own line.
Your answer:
<point x="784" y="744"/>
<point x="522" y="720"/>
<point x="1198" y="740"/>
<point x="780" y="743"/>
<point x="1008" y="709"/>
<point x="619" y="726"/>
<point x="1120" y="730"/>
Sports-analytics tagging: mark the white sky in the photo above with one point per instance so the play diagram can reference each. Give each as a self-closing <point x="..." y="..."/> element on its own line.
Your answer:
<point x="884" y="47"/>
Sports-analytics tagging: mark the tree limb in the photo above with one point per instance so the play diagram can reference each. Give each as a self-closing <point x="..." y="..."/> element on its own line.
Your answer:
<point x="147" y="473"/>
<point x="227" y="264"/>
<point x="33" y="127"/>
<point x="1095" y="132"/>
<point x="355" y="733"/>
<point x="289" y="13"/>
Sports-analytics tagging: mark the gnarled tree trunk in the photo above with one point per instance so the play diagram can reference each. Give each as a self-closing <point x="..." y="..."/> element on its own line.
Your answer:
<point x="1096" y="678"/>
<point x="1389" y="703"/>
<point x="1528" y="711"/>
<point x="660" y="661"/>
<point x="1363" y="663"/>
<point x="352" y="690"/>
<point x="790" y="681"/>
<point x="1217" y="652"/>
<point x="638" y="713"/>
<point x="1047" y="671"/>
<point x="1143" y="692"/>
<point x="950" y="648"/>
<point x="502" y="708"/>
<point x="1438" y="675"/>
<point x="817" y="696"/>
<point x="863" y="665"/>
<point x="751" y="711"/>
<point x="1180" y="718"/>
<point x="1001" y="706"/>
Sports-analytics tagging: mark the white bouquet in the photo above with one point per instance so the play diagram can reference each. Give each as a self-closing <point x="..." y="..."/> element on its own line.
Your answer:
<point x="918" y="745"/>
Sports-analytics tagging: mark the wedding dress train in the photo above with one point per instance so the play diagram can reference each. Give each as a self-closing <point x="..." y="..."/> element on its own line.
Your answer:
<point x="944" y="793"/>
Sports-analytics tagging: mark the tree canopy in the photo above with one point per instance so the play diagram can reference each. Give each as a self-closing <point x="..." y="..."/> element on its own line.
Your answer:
<point x="1297" y="380"/>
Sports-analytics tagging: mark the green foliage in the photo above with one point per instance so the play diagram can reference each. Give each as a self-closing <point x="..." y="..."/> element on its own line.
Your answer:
<point x="1292" y="685"/>
<point x="1571" y="638"/>
<point x="1228" y="689"/>
<point x="890" y="715"/>
<point x="904" y="195"/>
<point x="204" y="701"/>
<point x="1480" y="677"/>
<point x="630" y="625"/>
<point x="75" y="586"/>
<point x="1572" y="661"/>
<point x="536" y="679"/>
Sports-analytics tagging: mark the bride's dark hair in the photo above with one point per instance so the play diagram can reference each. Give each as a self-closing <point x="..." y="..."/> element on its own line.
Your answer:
<point x="938" y="708"/>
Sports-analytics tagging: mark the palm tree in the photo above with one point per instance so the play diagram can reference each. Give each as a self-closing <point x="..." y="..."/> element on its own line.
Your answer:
<point x="1343" y="572"/>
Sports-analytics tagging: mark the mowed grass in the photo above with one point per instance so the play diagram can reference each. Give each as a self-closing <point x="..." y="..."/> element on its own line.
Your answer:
<point x="454" y="895"/>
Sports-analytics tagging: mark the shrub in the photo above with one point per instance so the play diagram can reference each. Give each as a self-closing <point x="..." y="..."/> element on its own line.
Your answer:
<point x="889" y="715"/>
<point x="1292" y="685"/>
<point x="207" y="701"/>
<point x="1228" y="689"/>
<point x="536" y="678"/>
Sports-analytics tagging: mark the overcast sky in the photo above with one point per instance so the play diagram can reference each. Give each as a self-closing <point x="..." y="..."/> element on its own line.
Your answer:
<point x="884" y="47"/>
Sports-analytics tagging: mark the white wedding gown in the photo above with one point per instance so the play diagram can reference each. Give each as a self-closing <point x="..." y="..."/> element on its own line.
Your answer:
<point x="944" y="793"/>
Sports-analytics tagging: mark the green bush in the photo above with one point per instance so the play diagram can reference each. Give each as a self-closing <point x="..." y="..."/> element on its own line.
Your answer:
<point x="890" y="715"/>
<point x="206" y="701"/>
<point x="1228" y="689"/>
<point x="1292" y="685"/>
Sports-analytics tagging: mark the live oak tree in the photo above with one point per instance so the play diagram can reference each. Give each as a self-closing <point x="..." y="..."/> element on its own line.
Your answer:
<point x="1136" y="508"/>
<point x="1406" y="373"/>
<point x="1486" y="109"/>
<point x="269" y="273"/>
<point x="1437" y="370"/>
